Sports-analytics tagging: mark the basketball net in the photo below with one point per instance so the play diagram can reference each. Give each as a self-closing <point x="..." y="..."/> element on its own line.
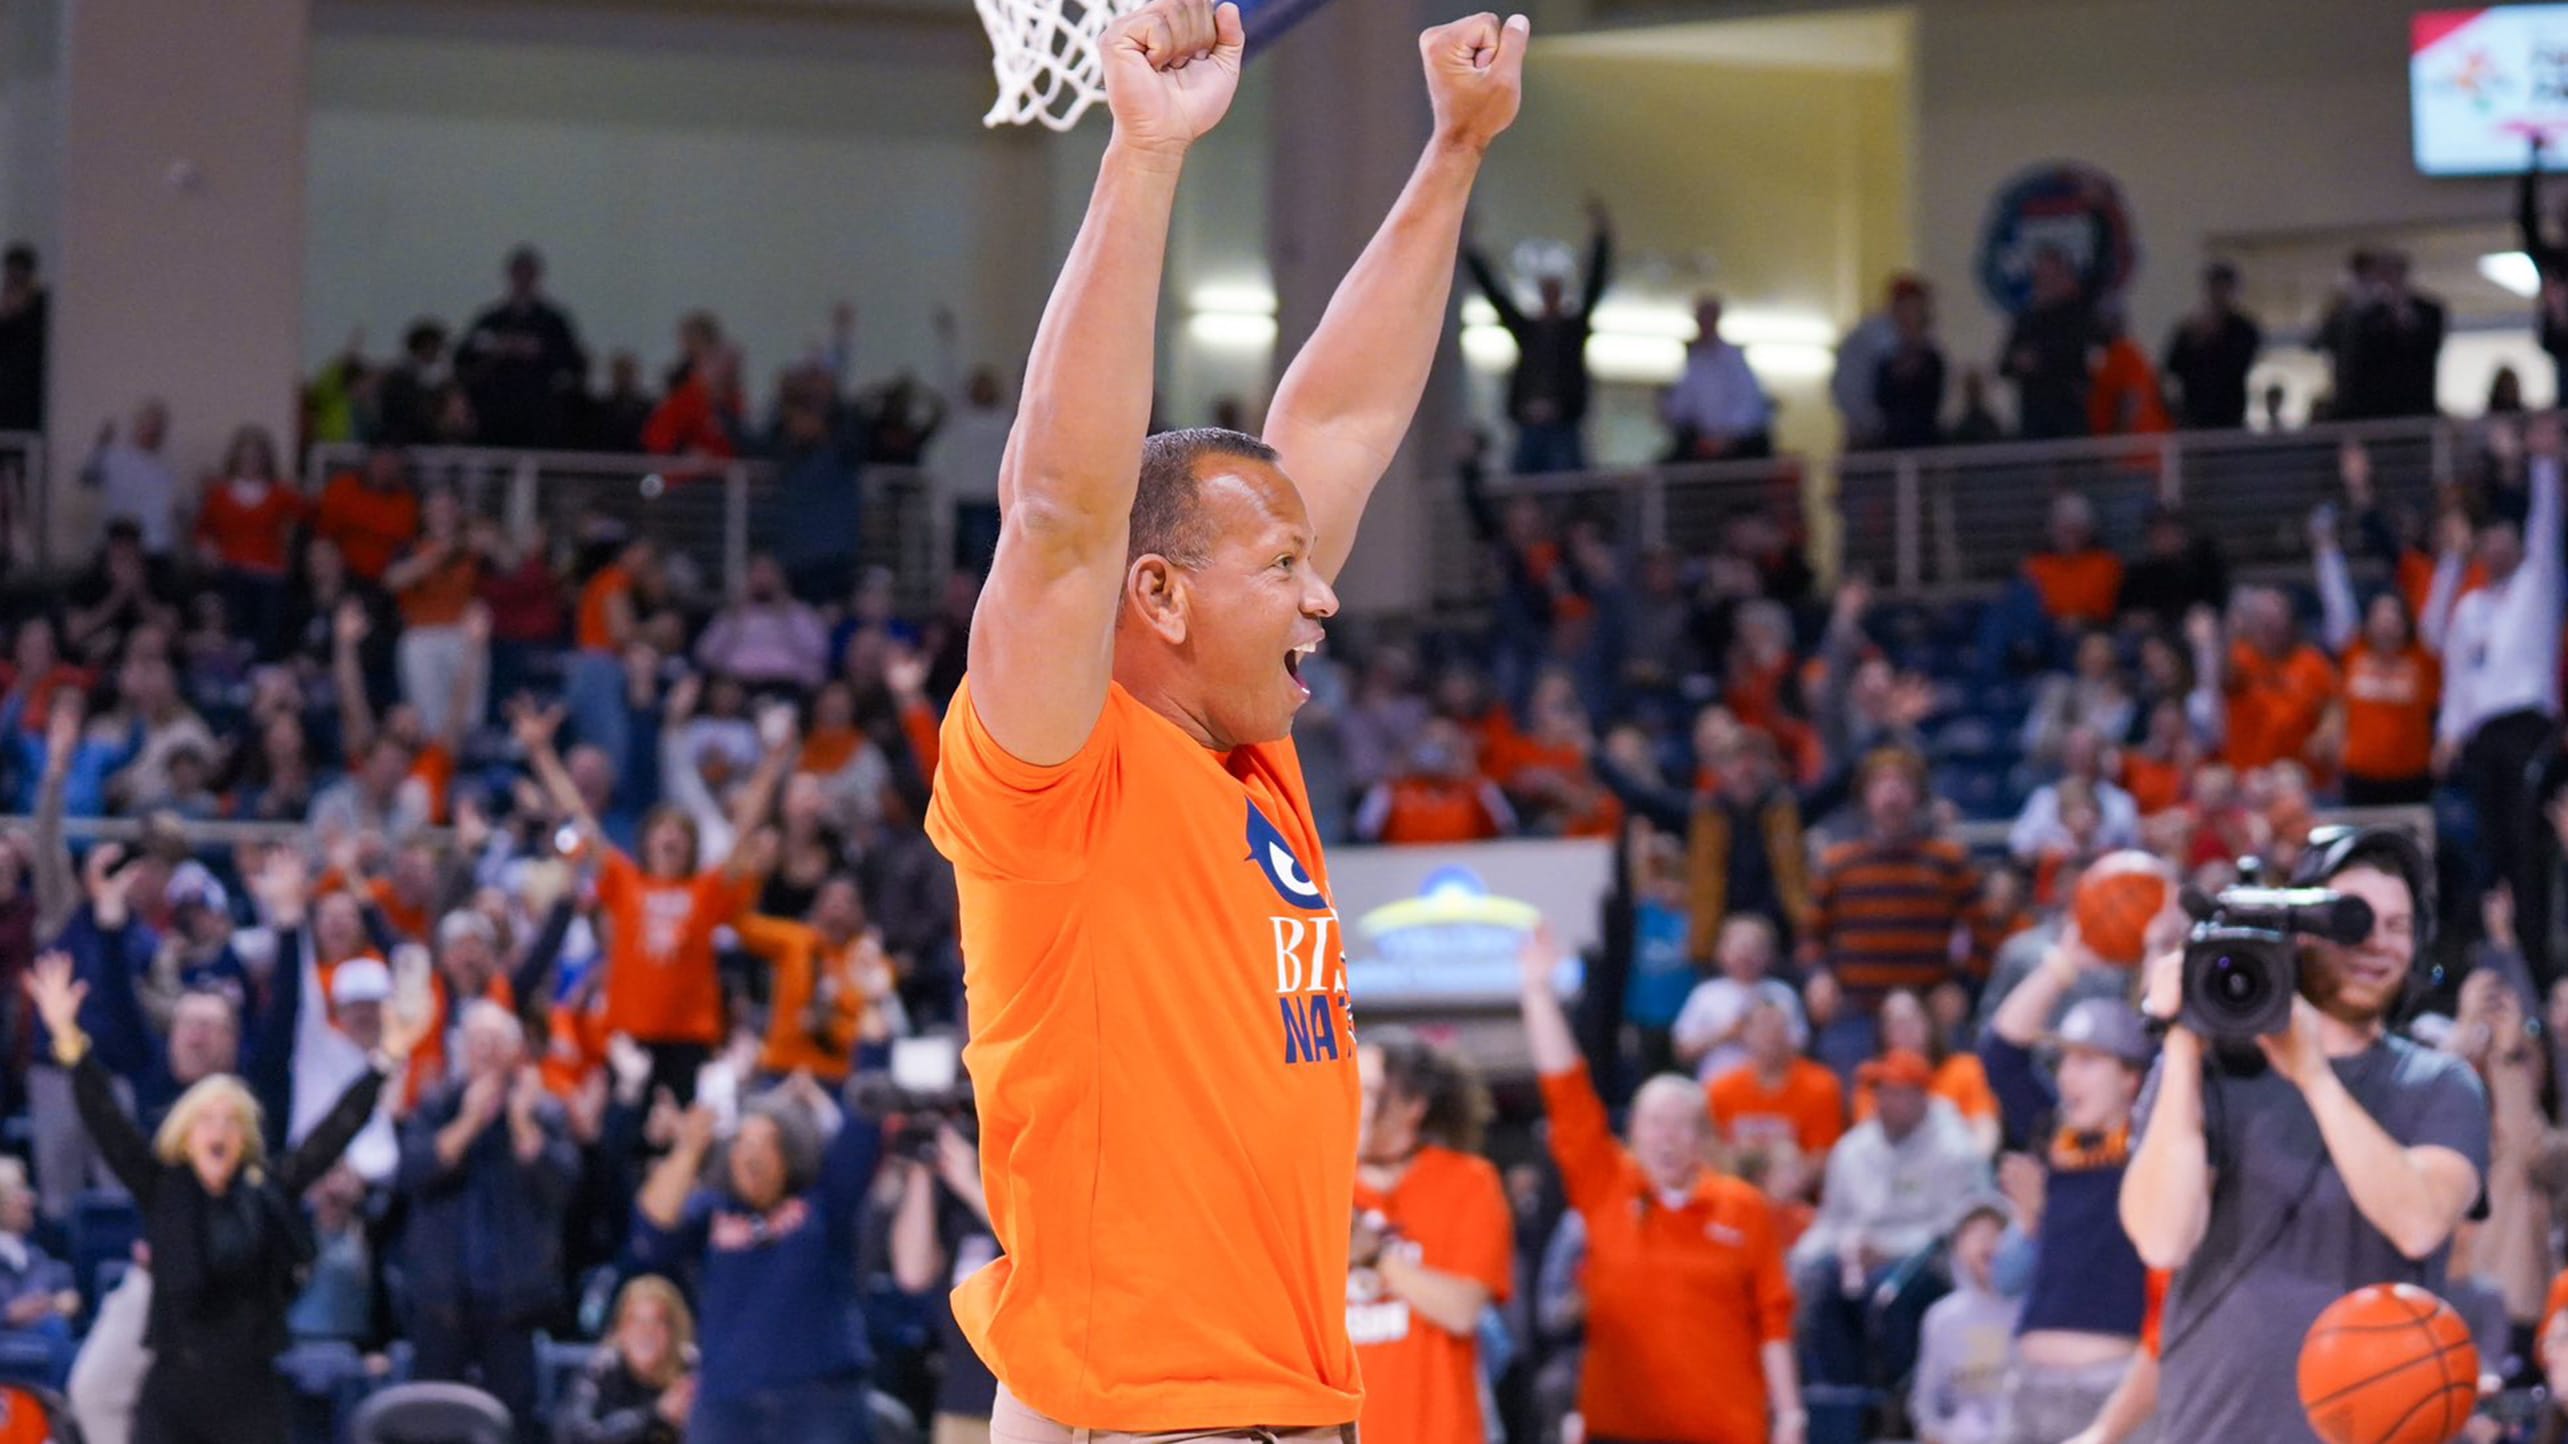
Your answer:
<point x="1046" y="58"/>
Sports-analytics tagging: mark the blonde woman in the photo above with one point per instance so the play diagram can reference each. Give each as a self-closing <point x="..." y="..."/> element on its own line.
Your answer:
<point x="641" y="1386"/>
<point x="222" y="1221"/>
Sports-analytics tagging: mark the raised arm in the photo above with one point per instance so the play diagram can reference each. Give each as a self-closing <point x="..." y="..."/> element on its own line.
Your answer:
<point x="348" y="628"/>
<point x="57" y="997"/>
<point x="1600" y="260"/>
<point x="1346" y="402"/>
<point x="1042" y="645"/>
<point x="534" y="727"/>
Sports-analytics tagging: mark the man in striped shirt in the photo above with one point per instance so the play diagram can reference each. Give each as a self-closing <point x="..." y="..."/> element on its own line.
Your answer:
<point x="1883" y="909"/>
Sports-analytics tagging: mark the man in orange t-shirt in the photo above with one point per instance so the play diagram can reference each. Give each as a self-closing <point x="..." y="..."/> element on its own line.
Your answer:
<point x="1777" y="1096"/>
<point x="371" y="516"/>
<point x="1689" y="1307"/>
<point x="663" y="988"/>
<point x="1434" y="1243"/>
<point x="1161" y="1048"/>
<point x="2279" y="686"/>
<point x="2078" y="580"/>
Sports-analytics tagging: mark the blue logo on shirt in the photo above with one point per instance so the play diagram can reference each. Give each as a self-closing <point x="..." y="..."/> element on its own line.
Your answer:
<point x="1274" y="857"/>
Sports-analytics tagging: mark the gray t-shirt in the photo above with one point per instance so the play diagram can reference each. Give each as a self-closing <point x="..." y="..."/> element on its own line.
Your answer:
<point x="2285" y="1239"/>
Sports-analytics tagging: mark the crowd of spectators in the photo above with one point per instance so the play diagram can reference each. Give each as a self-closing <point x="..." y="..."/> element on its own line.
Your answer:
<point x="645" y="859"/>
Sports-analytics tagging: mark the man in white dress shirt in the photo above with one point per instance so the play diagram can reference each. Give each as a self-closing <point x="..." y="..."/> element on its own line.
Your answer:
<point x="2501" y="692"/>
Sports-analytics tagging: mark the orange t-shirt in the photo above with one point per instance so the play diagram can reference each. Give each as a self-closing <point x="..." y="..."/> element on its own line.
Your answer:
<point x="432" y="773"/>
<point x="1808" y="1111"/>
<point x="2274" y="707"/>
<point x="1680" y="1298"/>
<point x="1164" y="1061"/>
<point x="804" y="962"/>
<point x="408" y="923"/>
<point x="1422" y="1383"/>
<point x="1428" y="810"/>
<point x="575" y="1046"/>
<point x="1961" y="1081"/>
<point x="2154" y="786"/>
<point x="23" y="1419"/>
<point x="370" y="527"/>
<point x="2390" y="704"/>
<point x="662" y="985"/>
<point x="610" y="582"/>
<point x="249" y="534"/>
<point x="2077" y="586"/>
<point x="428" y="1060"/>
<point x="441" y="596"/>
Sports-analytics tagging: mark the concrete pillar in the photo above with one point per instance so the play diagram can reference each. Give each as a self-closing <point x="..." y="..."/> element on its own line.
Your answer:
<point x="1349" y="116"/>
<point x="179" y="265"/>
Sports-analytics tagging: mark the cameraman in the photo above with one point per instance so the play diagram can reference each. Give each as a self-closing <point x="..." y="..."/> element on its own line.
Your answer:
<point x="2273" y="1185"/>
<point x="940" y="1234"/>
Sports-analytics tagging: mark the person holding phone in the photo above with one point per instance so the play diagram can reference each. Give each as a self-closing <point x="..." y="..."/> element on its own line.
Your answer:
<point x="662" y="988"/>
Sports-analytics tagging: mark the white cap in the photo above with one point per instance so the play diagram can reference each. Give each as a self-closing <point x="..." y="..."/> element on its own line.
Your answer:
<point x="360" y="980"/>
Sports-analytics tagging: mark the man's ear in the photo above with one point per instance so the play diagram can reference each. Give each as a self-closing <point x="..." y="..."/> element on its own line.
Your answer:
<point x="1157" y="592"/>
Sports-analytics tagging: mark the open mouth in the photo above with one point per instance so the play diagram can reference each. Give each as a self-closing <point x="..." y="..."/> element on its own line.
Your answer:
<point x="1293" y="664"/>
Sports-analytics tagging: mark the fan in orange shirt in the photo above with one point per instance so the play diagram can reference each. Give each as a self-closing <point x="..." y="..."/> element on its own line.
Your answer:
<point x="1434" y="1243"/>
<point x="1689" y="1308"/>
<point x="1160" y="1049"/>
<point x="372" y="516"/>
<point x="662" y="986"/>
<point x="2381" y="735"/>
<point x="246" y="516"/>
<point x="1959" y="1079"/>
<point x="2279" y="687"/>
<point x="1777" y="1096"/>
<point x="825" y="970"/>
<point x="2078" y="580"/>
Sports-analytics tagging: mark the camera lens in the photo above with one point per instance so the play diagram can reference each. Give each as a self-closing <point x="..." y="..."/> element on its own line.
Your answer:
<point x="2236" y="983"/>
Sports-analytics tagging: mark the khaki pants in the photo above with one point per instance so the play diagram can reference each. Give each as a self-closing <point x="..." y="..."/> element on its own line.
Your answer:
<point x="1014" y="1423"/>
<point x="959" y="1429"/>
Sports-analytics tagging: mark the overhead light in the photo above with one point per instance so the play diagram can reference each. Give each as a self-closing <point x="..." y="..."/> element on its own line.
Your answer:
<point x="1247" y="297"/>
<point x="1790" y="360"/>
<point x="1623" y="356"/>
<point x="2512" y="270"/>
<point x="1233" y="330"/>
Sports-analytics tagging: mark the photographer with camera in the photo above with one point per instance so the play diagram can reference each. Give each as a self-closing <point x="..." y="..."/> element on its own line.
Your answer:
<point x="940" y="1235"/>
<point x="2291" y="1148"/>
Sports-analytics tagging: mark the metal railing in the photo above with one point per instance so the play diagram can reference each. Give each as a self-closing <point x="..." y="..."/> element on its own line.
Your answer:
<point x="1963" y="518"/>
<point x="712" y="512"/>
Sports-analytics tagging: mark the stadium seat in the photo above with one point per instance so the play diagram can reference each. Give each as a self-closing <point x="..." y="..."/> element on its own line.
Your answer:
<point x="556" y="1362"/>
<point x="431" y="1414"/>
<point x="25" y="1360"/>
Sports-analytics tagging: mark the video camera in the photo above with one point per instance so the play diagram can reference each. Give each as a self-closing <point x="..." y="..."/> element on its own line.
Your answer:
<point x="2242" y="959"/>
<point x="923" y="1090"/>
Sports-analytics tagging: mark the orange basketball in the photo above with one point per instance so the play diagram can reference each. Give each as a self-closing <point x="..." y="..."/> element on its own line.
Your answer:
<point x="2116" y="901"/>
<point x="2389" y="1364"/>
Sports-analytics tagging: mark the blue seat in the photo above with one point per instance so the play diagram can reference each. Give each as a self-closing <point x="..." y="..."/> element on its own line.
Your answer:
<point x="26" y="1360"/>
<point x="557" y="1362"/>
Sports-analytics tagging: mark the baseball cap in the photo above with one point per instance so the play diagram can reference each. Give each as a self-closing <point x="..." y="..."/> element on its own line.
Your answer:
<point x="1898" y="1068"/>
<point x="191" y="883"/>
<point x="360" y="980"/>
<point x="2106" y="1025"/>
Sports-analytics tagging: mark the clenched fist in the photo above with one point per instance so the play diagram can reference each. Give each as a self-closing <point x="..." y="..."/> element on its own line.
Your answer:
<point x="1475" y="76"/>
<point x="1172" y="67"/>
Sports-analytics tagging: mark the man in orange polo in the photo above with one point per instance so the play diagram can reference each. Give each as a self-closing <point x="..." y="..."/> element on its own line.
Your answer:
<point x="1689" y="1307"/>
<point x="1161" y="1045"/>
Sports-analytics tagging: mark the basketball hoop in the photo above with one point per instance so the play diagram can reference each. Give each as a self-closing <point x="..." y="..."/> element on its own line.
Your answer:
<point x="1044" y="52"/>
